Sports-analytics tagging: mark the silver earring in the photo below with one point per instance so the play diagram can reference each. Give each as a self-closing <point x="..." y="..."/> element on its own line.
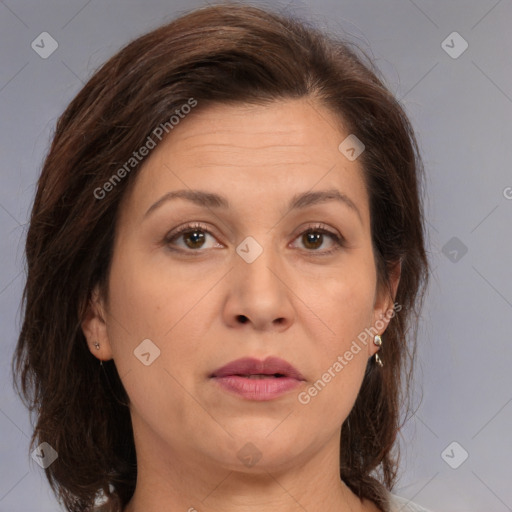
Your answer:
<point x="97" y="345"/>
<point x="377" y="340"/>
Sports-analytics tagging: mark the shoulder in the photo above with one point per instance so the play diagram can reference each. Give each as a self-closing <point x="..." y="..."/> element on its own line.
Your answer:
<point x="399" y="504"/>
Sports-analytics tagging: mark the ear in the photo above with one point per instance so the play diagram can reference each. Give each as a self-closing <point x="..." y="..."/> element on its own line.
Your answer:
<point x="94" y="327"/>
<point x="384" y="309"/>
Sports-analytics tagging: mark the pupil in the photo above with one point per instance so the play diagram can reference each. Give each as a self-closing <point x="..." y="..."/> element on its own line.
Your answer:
<point x="195" y="236"/>
<point x="313" y="238"/>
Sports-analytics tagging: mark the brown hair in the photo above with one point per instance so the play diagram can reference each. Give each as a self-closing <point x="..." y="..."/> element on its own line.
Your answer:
<point x="225" y="53"/>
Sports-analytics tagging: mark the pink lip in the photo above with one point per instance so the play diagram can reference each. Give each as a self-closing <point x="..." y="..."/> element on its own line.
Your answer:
<point x="234" y="377"/>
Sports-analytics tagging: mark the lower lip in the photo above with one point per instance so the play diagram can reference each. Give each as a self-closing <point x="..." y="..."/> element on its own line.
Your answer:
<point x="258" y="389"/>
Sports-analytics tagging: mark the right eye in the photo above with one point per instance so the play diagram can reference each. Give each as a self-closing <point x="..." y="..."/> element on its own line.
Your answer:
<point x="194" y="235"/>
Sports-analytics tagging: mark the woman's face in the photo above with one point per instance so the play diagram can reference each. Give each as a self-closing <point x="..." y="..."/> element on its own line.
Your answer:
<point x="247" y="282"/>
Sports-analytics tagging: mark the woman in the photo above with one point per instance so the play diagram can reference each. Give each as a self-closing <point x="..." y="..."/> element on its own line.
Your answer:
<point x="225" y="254"/>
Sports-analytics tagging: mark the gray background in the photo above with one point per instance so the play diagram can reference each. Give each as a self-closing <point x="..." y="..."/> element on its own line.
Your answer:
<point x="461" y="108"/>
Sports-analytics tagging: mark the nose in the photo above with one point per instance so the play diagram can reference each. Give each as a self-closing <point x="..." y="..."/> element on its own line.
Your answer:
<point x="259" y="293"/>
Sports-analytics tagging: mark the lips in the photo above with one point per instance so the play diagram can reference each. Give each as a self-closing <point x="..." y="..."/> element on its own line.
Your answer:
<point x="256" y="369"/>
<point x="255" y="380"/>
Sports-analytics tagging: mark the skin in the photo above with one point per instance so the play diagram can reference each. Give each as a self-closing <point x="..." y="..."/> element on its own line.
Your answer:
<point x="299" y="305"/>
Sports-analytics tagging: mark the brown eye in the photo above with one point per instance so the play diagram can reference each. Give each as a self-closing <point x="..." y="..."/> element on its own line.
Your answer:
<point x="196" y="238"/>
<point x="312" y="240"/>
<point x="193" y="236"/>
<point x="314" y="237"/>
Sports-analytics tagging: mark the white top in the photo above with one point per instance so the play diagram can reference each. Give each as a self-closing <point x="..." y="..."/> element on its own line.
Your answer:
<point x="399" y="504"/>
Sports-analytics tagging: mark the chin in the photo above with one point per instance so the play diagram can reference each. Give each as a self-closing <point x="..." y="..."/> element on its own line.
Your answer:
<point x="260" y="450"/>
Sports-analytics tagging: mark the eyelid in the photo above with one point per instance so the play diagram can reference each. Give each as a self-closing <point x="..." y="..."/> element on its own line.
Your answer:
<point x="191" y="226"/>
<point x="337" y="238"/>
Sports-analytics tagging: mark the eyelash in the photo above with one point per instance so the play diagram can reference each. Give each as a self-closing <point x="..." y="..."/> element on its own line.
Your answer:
<point x="189" y="228"/>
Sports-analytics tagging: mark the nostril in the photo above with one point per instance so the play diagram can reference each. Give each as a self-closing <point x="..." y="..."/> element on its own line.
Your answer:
<point x="242" y="318"/>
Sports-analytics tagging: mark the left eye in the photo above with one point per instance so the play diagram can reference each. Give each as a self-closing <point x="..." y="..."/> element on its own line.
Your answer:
<point x="195" y="235"/>
<point x="314" y="238"/>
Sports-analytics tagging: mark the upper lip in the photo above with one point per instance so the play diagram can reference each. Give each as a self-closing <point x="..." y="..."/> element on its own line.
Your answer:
<point x="252" y="366"/>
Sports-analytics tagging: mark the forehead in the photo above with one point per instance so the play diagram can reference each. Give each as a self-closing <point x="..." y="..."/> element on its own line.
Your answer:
<point x="288" y="126"/>
<point x="284" y="147"/>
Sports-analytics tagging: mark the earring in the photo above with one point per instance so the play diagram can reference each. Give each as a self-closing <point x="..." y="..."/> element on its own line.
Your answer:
<point x="97" y="345"/>
<point x="377" y="340"/>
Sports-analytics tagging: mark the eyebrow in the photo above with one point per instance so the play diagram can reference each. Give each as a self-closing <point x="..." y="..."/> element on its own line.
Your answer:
<point x="213" y="200"/>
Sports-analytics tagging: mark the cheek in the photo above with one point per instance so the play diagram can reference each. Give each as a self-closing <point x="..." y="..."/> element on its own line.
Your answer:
<point x="339" y="346"/>
<point x="341" y="359"/>
<point x="149" y="299"/>
<point x="344" y="303"/>
<point x="144" y="306"/>
<point x="148" y="302"/>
